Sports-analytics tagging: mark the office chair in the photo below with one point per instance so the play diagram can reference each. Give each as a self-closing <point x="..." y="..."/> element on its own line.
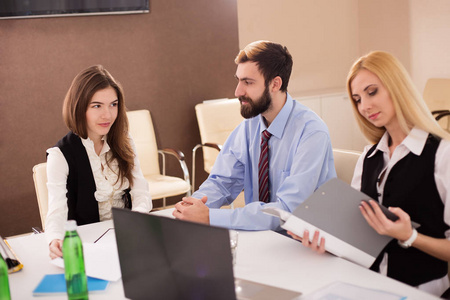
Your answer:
<point x="160" y="184"/>
<point x="437" y="96"/>
<point x="40" y="185"/>
<point x="345" y="162"/>
<point x="216" y="120"/>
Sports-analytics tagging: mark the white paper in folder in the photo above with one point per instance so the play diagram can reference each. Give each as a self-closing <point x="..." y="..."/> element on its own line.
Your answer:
<point x="333" y="210"/>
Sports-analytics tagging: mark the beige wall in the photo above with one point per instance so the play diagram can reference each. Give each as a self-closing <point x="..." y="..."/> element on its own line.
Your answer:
<point x="321" y="35"/>
<point x="430" y="40"/>
<point x="326" y="36"/>
<point x="384" y="25"/>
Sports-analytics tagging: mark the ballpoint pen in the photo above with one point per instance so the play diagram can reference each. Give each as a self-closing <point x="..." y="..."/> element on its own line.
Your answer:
<point x="36" y="230"/>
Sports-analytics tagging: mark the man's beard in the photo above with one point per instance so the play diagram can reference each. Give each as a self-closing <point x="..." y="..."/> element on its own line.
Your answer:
<point x="255" y="108"/>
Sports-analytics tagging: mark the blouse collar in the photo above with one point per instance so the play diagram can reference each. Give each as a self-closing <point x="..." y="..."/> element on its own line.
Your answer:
<point x="89" y="144"/>
<point x="414" y="142"/>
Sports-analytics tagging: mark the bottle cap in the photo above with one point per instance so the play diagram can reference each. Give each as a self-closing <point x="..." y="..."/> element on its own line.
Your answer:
<point x="70" y="225"/>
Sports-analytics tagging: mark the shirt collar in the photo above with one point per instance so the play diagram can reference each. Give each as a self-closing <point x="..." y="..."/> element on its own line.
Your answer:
<point x="414" y="142"/>
<point x="276" y="128"/>
<point x="88" y="143"/>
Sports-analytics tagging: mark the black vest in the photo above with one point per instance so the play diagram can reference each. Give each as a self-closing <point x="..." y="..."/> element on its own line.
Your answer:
<point x="410" y="185"/>
<point x="83" y="207"/>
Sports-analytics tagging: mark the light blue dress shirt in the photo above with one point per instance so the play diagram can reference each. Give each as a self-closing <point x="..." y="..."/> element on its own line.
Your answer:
<point x="301" y="159"/>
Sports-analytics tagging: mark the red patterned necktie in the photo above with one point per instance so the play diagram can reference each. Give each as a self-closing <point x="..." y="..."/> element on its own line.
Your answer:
<point x="263" y="168"/>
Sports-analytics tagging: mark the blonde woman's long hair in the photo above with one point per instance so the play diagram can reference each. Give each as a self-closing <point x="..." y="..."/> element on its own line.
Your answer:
<point x="409" y="106"/>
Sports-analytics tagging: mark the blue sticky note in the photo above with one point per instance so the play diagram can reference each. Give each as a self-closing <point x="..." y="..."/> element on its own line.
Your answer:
<point x="56" y="283"/>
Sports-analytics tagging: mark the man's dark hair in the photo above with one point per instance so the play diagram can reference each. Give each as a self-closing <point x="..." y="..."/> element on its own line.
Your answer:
<point x="271" y="58"/>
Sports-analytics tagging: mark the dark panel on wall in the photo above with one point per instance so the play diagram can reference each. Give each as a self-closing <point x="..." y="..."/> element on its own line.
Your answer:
<point x="179" y="54"/>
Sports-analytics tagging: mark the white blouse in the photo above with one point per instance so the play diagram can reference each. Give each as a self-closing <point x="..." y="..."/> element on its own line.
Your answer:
<point x="414" y="142"/>
<point x="108" y="193"/>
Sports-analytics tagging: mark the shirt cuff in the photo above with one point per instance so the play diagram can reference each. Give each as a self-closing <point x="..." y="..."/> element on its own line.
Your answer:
<point x="50" y="236"/>
<point x="141" y="208"/>
<point x="141" y="201"/>
<point x="220" y="217"/>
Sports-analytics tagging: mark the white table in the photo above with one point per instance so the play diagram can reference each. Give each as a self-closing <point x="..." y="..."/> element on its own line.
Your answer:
<point x="33" y="252"/>
<point x="265" y="256"/>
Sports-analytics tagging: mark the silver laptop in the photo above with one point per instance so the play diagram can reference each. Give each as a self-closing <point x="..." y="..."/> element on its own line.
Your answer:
<point x="163" y="258"/>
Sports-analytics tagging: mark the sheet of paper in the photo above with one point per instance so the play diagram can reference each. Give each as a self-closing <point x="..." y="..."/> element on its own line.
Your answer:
<point x="332" y="244"/>
<point x="101" y="260"/>
<point x="277" y="212"/>
<point x="345" y="291"/>
<point x="164" y="213"/>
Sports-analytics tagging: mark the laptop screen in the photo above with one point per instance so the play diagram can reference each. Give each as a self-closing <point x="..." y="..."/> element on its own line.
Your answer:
<point x="163" y="258"/>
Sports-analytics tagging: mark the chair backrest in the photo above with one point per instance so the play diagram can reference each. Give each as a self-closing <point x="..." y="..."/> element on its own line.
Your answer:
<point x="437" y="93"/>
<point x="345" y="162"/>
<point x="143" y="134"/>
<point x="40" y="185"/>
<point x="216" y="120"/>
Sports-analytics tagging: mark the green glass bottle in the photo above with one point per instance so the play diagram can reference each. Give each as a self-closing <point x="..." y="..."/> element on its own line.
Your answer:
<point x="75" y="274"/>
<point x="4" y="283"/>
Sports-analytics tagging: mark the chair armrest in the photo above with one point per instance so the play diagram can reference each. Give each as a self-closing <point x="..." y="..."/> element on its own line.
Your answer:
<point x="177" y="153"/>
<point x="180" y="156"/>
<point x="442" y="114"/>
<point x="438" y="112"/>
<point x="212" y="145"/>
<point x="216" y="146"/>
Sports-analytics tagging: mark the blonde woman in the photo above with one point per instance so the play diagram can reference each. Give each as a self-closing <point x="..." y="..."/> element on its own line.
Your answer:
<point x="407" y="169"/>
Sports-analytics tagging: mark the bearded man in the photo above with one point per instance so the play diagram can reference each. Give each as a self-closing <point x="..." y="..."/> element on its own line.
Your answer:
<point x="279" y="155"/>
